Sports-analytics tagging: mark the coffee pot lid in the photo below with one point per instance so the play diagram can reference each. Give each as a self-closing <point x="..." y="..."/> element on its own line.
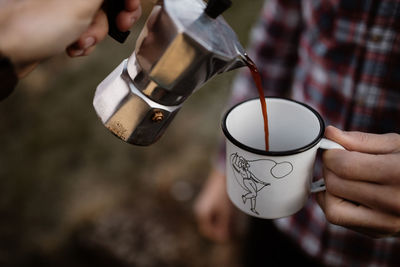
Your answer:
<point x="202" y="23"/>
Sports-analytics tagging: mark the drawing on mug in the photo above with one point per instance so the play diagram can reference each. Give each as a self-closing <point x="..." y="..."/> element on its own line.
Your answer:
<point x="254" y="183"/>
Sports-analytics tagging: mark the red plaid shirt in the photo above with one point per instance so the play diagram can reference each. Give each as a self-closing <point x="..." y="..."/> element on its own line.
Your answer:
<point x="341" y="57"/>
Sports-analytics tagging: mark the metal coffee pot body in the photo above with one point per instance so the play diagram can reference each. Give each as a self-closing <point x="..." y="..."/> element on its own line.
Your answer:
<point x="179" y="49"/>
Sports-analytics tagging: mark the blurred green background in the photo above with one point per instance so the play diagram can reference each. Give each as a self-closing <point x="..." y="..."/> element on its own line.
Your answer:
<point x="72" y="194"/>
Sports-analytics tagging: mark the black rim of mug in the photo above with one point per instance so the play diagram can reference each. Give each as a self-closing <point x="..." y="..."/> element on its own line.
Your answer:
<point x="274" y="153"/>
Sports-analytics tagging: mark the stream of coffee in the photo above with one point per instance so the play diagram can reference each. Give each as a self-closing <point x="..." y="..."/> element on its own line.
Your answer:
<point x="257" y="79"/>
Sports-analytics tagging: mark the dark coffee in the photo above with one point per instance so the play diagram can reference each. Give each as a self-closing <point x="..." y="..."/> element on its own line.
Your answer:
<point x="257" y="79"/>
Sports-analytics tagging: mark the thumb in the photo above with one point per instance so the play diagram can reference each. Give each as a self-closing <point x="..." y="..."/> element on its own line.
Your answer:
<point x="365" y="142"/>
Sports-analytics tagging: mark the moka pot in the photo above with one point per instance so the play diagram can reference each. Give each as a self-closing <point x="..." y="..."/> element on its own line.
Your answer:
<point x="183" y="44"/>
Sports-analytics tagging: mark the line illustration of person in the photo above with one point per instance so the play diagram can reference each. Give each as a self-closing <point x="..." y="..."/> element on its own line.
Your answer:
<point x="250" y="181"/>
<point x="252" y="184"/>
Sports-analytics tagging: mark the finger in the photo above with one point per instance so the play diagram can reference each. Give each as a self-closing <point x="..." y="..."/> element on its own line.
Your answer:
<point x="205" y="215"/>
<point x="89" y="50"/>
<point x="132" y="5"/>
<point x="214" y="228"/>
<point x="221" y="227"/>
<point x="205" y="227"/>
<point x="203" y="220"/>
<point x="80" y="47"/>
<point x="125" y="19"/>
<point x="212" y="223"/>
<point x="375" y="196"/>
<point x="381" y="169"/>
<point x="365" y="142"/>
<point x="374" y="233"/>
<point x="96" y="32"/>
<point x="347" y="214"/>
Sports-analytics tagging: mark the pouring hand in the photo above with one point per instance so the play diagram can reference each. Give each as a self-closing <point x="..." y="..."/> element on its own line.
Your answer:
<point x="363" y="184"/>
<point x="99" y="28"/>
<point x="36" y="30"/>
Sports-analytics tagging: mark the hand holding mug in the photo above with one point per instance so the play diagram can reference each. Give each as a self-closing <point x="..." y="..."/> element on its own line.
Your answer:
<point x="363" y="184"/>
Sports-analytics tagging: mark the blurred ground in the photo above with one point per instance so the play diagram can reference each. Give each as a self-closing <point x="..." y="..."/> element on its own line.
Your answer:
<point x="71" y="194"/>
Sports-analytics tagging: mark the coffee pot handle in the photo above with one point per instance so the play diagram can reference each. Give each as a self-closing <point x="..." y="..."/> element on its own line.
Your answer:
<point x="112" y="9"/>
<point x="217" y="7"/>
<point x="319" y="185"/>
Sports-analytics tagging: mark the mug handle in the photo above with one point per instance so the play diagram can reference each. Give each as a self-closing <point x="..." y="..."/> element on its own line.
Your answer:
<point x="319" y="185"/>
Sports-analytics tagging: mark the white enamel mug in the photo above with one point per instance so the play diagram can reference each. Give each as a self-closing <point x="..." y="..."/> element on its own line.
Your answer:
<point x="275" y="183"/>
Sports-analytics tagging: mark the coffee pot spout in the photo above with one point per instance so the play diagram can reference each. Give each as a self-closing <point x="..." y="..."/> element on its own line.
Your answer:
<point x="240" y="61"/>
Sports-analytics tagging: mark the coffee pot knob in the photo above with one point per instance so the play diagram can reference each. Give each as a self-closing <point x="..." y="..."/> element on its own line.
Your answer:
<point x="217" y="7"/>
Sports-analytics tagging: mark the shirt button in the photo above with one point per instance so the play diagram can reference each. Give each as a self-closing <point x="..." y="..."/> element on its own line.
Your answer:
<point x="376" y="38"/>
